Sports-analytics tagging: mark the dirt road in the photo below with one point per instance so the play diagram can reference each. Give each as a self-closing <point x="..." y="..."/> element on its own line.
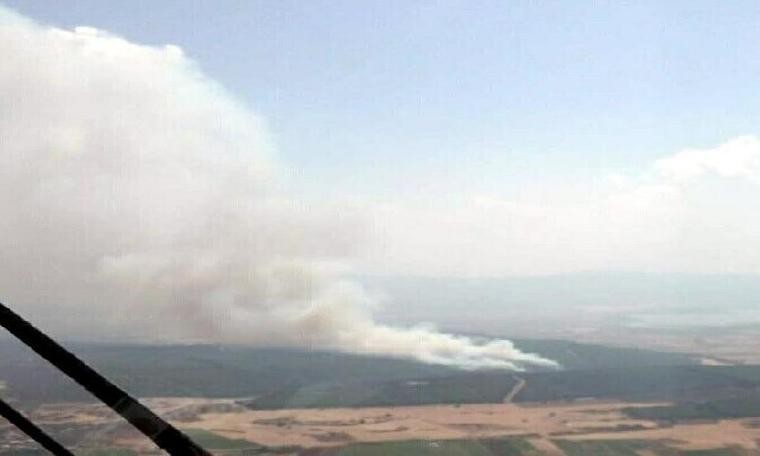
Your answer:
<point x="515" y="390"/>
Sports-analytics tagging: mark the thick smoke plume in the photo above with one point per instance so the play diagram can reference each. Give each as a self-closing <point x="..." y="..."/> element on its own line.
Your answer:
<point x="138" y="200"/>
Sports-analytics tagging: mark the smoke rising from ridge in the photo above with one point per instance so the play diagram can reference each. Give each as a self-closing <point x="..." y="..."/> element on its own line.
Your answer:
<point x="138" y="199"/>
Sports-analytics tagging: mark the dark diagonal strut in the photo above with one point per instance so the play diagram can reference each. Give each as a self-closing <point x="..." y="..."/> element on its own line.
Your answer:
<point x="30" y="429"/>
<point x="153" y="426"/>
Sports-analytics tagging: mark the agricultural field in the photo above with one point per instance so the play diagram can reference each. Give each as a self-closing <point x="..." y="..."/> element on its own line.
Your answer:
<point x="745" y="406"/>
<point x="278" y="402"/>
<point x="638" y="448"/>
<point x="212" y="441"/>
<point x="612" y="447"/>
<point x="587" y="427"/>
<point x="487" y="447"/>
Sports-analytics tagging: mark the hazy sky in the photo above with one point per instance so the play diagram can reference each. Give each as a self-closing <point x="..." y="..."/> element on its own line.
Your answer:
<point x="492" y="138"/>
<point x="383" y="98"/>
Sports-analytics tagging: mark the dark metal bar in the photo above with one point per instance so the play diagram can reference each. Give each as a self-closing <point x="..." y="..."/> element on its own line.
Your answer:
<point x="153" y="426"/>
<point x="30" y="429"/>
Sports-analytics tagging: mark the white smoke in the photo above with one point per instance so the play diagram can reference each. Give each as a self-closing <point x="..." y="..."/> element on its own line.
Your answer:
<point x="138" y="199"/>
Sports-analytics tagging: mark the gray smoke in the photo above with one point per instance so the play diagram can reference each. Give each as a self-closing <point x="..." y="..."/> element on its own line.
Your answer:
<point x="139" y="200"/>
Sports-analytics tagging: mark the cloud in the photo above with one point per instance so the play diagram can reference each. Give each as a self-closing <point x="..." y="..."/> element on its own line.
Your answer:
<point x="693" y="211"/>
<point x="737" y="158"/>
<point x="139" y="199"/>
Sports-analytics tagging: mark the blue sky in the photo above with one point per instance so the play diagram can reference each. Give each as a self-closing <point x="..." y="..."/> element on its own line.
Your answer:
<point x="381" y="98"/>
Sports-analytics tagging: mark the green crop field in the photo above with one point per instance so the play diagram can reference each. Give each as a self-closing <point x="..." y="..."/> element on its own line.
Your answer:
<point x="634" y="448"/>
<point x="212" y="441"/>
<point x="490" y="447"/>
<point x="744" y="406"/>
<point x="111" y="452"/>
<point x="714" y="452"/>
<point x="612" y="447"/>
